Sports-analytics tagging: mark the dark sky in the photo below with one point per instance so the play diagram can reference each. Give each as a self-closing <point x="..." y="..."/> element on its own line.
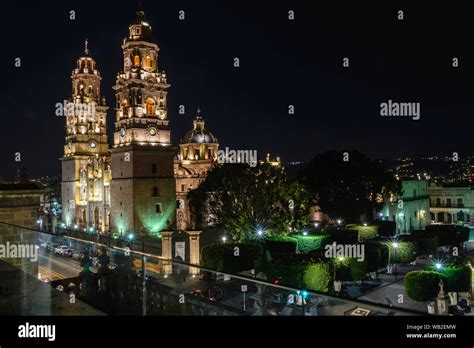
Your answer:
<point x="282" y="62"/>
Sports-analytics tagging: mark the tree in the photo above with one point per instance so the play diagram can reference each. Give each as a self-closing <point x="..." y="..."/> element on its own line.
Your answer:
<point x="347" y="185"/>
<point x="243" y="200"/>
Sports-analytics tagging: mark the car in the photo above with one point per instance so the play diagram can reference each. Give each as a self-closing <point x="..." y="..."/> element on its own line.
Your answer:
<point x="422" y="261"/>
<point x="68" y="253"/>
<point x="51" y="247"/>
<point x="61" y="249"/>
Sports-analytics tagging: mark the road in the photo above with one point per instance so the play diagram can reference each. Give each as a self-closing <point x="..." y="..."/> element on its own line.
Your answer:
<point x="54" y="267"/>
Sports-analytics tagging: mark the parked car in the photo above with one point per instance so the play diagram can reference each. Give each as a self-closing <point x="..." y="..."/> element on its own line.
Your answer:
<point x="61" y="249"/>
<point x="68" y="253"/>
<point x="51" y="247"/>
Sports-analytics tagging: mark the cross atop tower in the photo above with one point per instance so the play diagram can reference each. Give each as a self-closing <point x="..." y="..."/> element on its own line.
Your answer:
<point x="86" y="49"/>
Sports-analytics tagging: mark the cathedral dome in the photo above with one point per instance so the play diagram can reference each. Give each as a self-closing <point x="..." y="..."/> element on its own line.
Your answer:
<point x="198" y="134"/>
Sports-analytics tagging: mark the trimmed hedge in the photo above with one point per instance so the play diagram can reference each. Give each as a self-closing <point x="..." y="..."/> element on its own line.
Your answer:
<point x="358" y="269"/>
<point x="459" y="277"/>
<point x="299" y="271"/>
<point x="422" y="286"/>
<point x="377" y="255"/>
<point x="404" y="253"/>
<point x="310" y="242"/>
<point x="364" y="232"/>
<point x="221" y="257"/>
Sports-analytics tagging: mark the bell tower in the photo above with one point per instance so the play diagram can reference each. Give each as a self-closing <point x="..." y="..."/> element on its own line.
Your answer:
<point x="86" y="161"/>
<point x="143" y="186"/>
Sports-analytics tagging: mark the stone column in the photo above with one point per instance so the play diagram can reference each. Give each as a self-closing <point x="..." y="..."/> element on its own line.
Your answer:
<point x="194" y="251"/>
<point x="166" y="251"/>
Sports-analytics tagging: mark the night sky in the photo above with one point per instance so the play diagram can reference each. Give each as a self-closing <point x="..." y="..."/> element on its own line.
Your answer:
<point x="282" y="62"/>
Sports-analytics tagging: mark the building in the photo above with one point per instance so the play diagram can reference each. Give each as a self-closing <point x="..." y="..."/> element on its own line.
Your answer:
<point x="197" y="154"/>
<point x="143" y="188"/>
<point x="451" y="204"/>
<point x="85" y="165"/>
<point x="409" y="209"/>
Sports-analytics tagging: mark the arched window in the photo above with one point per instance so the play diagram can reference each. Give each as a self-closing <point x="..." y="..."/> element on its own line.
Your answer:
<point x="150" y="107"/>
<point x="136" y="61"/>
<point x="148" y="62"/>
<point x="124" y="102"/>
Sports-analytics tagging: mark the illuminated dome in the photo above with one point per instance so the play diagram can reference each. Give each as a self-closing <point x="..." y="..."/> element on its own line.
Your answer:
<point x="198" y="135"/>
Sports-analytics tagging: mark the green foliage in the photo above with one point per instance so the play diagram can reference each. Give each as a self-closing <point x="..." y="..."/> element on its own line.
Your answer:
<point x="302" y="271"/>
<point x="459" y="277"/>
<point x="243" y="199"/>
<point x="347" y="188"/>
<point x="222" y="258"/>
<point x="310" y="242"/>
<point x="358" y="269"/>
<point x="377" y="254"/>
<point x="423" y="286"/>
<point x="365" y="232"/>
<point x="404" y="253"/>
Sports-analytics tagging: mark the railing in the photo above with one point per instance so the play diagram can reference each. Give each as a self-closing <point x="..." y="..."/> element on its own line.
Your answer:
<point x="446" y="205"/>
<point x="118" y="281"/>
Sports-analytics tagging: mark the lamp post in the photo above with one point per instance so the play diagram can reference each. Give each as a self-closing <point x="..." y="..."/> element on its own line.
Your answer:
<point x="395" y="246"/>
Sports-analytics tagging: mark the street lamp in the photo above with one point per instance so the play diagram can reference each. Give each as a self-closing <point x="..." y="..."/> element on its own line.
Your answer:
<point x="395" y="247"/>
<point x="224" y="238"/>
<point x="305" y="233"/>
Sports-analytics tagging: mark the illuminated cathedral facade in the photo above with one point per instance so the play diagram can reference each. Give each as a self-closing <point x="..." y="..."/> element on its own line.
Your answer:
<point x="86" y="171"/>
<point x="139" y="185"/>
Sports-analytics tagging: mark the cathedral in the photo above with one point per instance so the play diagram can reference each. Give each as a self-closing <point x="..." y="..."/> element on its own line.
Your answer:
<point x="85" y="183"/>
<point x="140" y="184"/>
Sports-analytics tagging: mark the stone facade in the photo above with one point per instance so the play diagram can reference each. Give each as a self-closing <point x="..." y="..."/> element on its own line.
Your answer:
<point x="86" y="162"/>
<point x="451" y="204"/>
<point x="197" y="154"/>
<point x="143" y="190"/>
<point x="410" y="208"/>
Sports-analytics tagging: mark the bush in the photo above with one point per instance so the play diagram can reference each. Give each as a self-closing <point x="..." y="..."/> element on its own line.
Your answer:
<point x="404" y="253"/>
<point x="358" y="269"/>
<point x="299" y="271"/>
<point x="221" y="257"/>
<point x="377" y="254"/>
<point x="281" y="245"/>
<point x="364" y="232"/>
<point x="310" y="242"/>
<point x="459" y="277"/>
<point x="422" y="286"/>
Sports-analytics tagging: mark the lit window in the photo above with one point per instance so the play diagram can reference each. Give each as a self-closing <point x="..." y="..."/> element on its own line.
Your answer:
<point x="148" y="62"/>
<point x="150" y="107"/>
<point x="136" y="61"/>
